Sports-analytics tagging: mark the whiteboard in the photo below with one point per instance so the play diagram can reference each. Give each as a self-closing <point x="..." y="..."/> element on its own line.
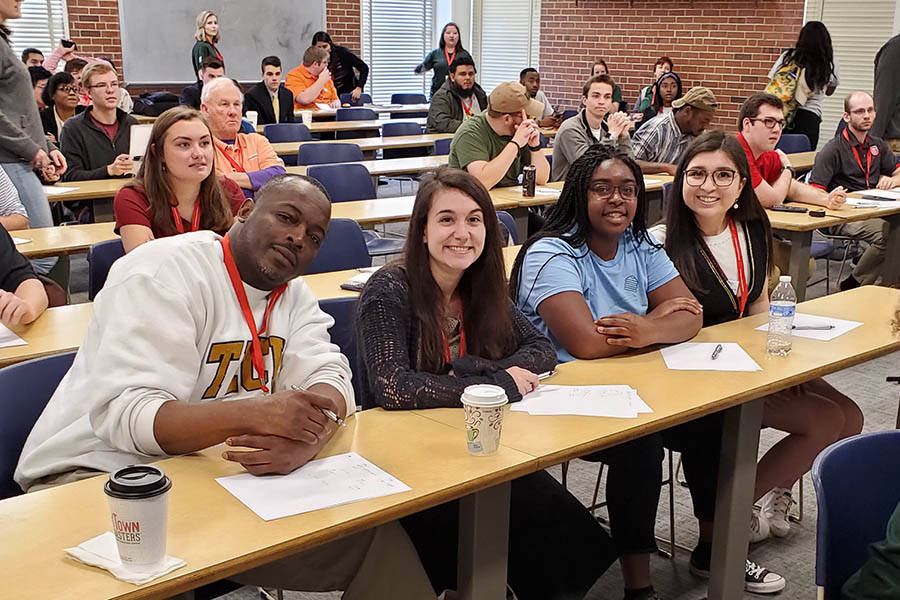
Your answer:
<point x="157" y="36"/>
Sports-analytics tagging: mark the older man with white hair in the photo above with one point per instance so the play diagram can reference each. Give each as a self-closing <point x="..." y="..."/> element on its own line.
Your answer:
<point x="246" y="158"/>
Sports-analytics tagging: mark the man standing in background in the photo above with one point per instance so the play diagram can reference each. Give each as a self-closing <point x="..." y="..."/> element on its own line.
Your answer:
<point x="887" y="94"/>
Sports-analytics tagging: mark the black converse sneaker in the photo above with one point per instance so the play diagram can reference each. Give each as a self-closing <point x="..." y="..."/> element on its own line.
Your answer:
<point x="760" y="580"/>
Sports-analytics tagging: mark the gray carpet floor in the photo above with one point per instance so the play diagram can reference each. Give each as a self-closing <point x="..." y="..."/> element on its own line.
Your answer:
<point x="793" y="556"/>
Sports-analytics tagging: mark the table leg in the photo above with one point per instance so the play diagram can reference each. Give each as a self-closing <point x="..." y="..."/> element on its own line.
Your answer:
<point x="483" y="544"/>
<point x="799" y="265"/>
<point x="521" y="217"/>
<point x="737" y="477"/>
<point x="891" y="272"/>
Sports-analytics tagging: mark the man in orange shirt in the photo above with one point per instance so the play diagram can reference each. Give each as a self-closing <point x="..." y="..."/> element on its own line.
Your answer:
<point x="246" y="158"/>
<point x="310" y="83"/>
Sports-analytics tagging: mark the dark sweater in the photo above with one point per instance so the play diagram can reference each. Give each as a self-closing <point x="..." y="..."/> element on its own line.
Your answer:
<point x="445" y="114"/>
<point x="389" y="348"/>
<point x="887" y="91"/>
<point x="190" y="95"/>
<point x="87" y="148"/>
<point x="344" y="68"/>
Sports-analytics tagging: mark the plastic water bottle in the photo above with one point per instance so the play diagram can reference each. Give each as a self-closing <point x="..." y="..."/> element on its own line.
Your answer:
<point x="782" y="305"/>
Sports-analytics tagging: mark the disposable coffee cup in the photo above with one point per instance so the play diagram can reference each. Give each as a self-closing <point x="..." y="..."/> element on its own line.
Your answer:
<point x="306" y="117"/>
<point x="139" y="504"/>
<point x="253" y="117"/>
<point x="483" y="406"/>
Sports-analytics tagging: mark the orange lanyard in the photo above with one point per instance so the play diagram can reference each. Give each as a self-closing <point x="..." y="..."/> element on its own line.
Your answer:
<point x="742" y="279"/>
<point x="195" y="218"/>
<point x="858" y="161"/>
<point x="238" y="166"/>
<point x="462" y="338"/>
<point x="467" y="108"/>
<point x="449" y="57"/>
<point x="238" y="286"/>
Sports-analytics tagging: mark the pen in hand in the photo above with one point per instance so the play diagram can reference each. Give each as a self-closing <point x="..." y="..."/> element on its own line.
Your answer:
<point x="716" y="352"/>
<point x="328" y="413"/>
<point x="546" y="374"/>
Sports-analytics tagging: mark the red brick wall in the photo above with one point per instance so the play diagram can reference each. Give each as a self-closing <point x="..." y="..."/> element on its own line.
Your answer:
<point x="343" y="22"/>
<point x="726" y="46"/>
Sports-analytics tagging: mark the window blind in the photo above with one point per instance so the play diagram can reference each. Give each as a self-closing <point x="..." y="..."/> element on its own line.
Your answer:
<point x="506" y="39"/>
<point x="42" y="24"/>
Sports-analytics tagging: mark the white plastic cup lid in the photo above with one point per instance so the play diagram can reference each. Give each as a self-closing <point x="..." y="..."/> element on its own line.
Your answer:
<point x="484" y="395"/>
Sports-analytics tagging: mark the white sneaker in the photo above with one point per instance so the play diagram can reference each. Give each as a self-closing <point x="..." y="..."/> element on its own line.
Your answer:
<point x="760" y="580"/>
<point x="776" y="506"/>
<point x="759" y="526"/>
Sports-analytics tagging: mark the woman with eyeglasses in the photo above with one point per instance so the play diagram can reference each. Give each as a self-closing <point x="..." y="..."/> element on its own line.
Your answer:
<point x="61" y="98"/>
<point x="598" y="284"/>
<point x="719" y="238"/>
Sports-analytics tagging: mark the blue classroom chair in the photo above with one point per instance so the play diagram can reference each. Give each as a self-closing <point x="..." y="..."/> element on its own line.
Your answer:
<point x="791" y="143"/>
<point x="397" y="129"/>
<point x="100" y="258"/>
<point x="326" y="153"/>
<point x="857" y="483"/>
<point x="344" y="247"/>
<point x="363" y="99"/>
<point x="409" y="99"/>
<point x="287" y="132"/>
<point x="247" y="126"/>
<point x="356" y="114"/>
<point x="509" y="223"/>
<point x="343" y="334"/>
<point x="442" y="146"/>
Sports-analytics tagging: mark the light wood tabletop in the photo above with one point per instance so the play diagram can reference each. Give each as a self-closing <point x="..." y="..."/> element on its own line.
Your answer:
<point x="216" y="534"/>
<point x="371" y="144"/>
<point x="377" y="108"/>
<point x="803" y="160"/>
<point x="653" y="183"/>
<point x="323" y="126"/>
<point x="388" y="210"/>
<point x="85" y="190"/>
<point x="59" y="329"/>
<point x="70" y="239"/>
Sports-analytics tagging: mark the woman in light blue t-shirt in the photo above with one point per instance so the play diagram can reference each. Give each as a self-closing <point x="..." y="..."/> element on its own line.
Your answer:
<point x="598" y="284"/>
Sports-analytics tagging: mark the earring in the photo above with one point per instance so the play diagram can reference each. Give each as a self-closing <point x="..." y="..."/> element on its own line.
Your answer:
<point x="163" y="167"/>
<point x="735" y="206"/>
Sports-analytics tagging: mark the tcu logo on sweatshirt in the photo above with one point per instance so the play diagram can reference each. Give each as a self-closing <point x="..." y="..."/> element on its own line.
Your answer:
<point x="225" y="354"/>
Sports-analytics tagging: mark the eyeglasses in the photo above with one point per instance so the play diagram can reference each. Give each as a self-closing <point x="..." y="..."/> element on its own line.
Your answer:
<point x="770" y="123"/>
<point x="68" y="88"/>
<point x="862" y="111"/>
<point x="605" y="191"/>
<point x="720" y="177"/>
<point x="112" y="85"/>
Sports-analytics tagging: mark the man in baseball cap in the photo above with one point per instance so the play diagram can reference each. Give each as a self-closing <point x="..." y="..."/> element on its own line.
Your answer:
<point x="495" y="145"/>
<point x="663" y="138"/>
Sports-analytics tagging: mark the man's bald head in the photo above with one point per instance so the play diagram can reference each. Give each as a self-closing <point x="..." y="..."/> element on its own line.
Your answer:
<point x="859" y="112"/>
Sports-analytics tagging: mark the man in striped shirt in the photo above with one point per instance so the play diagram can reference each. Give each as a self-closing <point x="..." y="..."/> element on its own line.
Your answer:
<point x="12" y="212"/>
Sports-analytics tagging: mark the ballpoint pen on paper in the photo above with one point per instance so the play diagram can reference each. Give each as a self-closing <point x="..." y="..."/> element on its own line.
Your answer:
<point x="546" y="374"/>
<point x="716" y="352"/>
<point x="328" y="413"/>
<point x="812" y="327"/>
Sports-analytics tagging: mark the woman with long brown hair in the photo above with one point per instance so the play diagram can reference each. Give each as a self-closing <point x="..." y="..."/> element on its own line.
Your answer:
<point x="176" y="189"/>
<point x="439" y="320"/>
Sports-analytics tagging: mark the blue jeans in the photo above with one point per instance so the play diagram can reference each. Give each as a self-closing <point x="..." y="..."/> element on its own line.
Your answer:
<point x="32" y="195"/>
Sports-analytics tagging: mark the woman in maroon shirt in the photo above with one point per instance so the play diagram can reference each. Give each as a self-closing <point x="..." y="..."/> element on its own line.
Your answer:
<point x="176" y="189"/>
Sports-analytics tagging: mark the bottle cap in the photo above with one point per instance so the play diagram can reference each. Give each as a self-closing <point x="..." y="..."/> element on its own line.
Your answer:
<point x="785" y="279"/>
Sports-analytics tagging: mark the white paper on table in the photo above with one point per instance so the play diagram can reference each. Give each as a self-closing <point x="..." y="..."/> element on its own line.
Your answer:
<point x="322" y="106"/>
<point x="696" y="356"/>
<point x="648" y="181"/>
<point x="893" y="194"/>
<point x="867" y="202"/>
<point x="318" y="484"/>
<point x="801" y="319"/>
<point x="541" y="191"/>
<point x="18" y="241"/>
<point x="140" y="137"/>
<point x="616" y="401"/>
<point x="8" y="339"/>
<point x="54" y="190"/>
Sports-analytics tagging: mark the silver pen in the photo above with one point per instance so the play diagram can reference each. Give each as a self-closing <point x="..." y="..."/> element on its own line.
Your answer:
<point x="716" y="352"/>
<point x="328" y="413"/>
<point x="812" y="327"/>
<point x="546" y="374"/>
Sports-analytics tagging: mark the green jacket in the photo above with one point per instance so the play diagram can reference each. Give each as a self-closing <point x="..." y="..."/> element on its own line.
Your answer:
<point x="200" y="51"/>
<point x="879" y="577"/>
<point x="446" y="112"/>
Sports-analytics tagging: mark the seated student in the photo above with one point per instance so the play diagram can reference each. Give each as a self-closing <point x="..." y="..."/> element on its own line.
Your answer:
<point x="458" y="99"/>
<point x="719" y="238"/>
<point x="13" y="215"/>
<point x="39" y="78"/>
<point x="840" y="164"/>
<point x="531" y="79"/>
<point x="596" y="283"/>
<point x="272" y="102"/>
<point x="212" y="68"/>
<point x="96" y="142"/>
<point x="67" y="53"/>
<point x="599" y="68"/>
<point x="665" y="91"/>
<point x="176" y="189"/>
<point x="246" y="158"/>
<point x="662" y="66"/>
<point x="110" y="411"/>
<point x="32" y="57"/>
<point x="310" y="83"/>
<point x="664" y="137"/>
<point x="495" y="145"/>
<point x="22" y="295"/>
<point x="74" y="68"/>
<point x="439" y="320"/>
<point x="590" y="126"/>
<point x="61" y="104"/>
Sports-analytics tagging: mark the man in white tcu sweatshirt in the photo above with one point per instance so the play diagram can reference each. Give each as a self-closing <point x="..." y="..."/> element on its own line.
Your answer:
<point x="185" y="322"/>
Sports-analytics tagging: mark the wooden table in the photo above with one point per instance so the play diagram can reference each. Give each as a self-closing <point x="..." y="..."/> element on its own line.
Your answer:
<point x="798" y="229"/>
<point x="91" y="189"/>
<point x="680" y="396"/>
<point x="323" y="126"/>
<point x="377" y="108"/>
<point x="69" y="239"/>
<point x="369" y="213"/>
<point x="371" y="144"/>
<point x="803" y="160"/>
<point x="59" y="329"/>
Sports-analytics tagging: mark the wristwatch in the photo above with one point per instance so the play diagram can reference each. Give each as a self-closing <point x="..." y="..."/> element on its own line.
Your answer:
<point x="791" y="169"/>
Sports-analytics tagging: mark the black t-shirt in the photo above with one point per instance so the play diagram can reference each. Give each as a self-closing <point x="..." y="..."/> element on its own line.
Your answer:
<point x="837" y="164"/>
<point x="14" y="268"/>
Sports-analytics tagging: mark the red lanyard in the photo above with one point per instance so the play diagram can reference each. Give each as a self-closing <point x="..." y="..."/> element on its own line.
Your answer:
<point x="449" y="57"/>
<point x="742" y="279"/>
<point x="858" y="161"/>
<point x="238" y="166"/>
<point x="462" y="338"/>
<point x="467" y="108"/>
<point x="238" y="285"/>
<point x="195" y="218"/>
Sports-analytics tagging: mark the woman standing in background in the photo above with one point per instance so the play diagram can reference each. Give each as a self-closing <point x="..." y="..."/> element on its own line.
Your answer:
<point x="348" y="71"/>
<point x="440" y="58"/>
<point x="207" y="36"/>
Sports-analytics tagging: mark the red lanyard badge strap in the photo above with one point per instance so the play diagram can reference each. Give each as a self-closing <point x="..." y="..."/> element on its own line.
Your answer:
<point x="195" y="218"/>
<point x="742" y="279"/>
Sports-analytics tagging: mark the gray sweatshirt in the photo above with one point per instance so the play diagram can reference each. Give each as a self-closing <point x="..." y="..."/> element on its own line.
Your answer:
<point x="574" y="138"/>
<point x="21" y="132"/>
<point x="887" y="91"/>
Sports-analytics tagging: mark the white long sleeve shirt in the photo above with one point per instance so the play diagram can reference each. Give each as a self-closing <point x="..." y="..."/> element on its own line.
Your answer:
<point x="167" y="326"/>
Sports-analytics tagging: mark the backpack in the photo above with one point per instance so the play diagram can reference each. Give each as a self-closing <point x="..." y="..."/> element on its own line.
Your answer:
<point x="153" y="104"/>
<point x="784" y="85"/>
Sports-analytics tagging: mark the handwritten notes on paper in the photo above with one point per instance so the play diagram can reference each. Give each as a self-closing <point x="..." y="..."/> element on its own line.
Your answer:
<point x="617" y="401"/>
